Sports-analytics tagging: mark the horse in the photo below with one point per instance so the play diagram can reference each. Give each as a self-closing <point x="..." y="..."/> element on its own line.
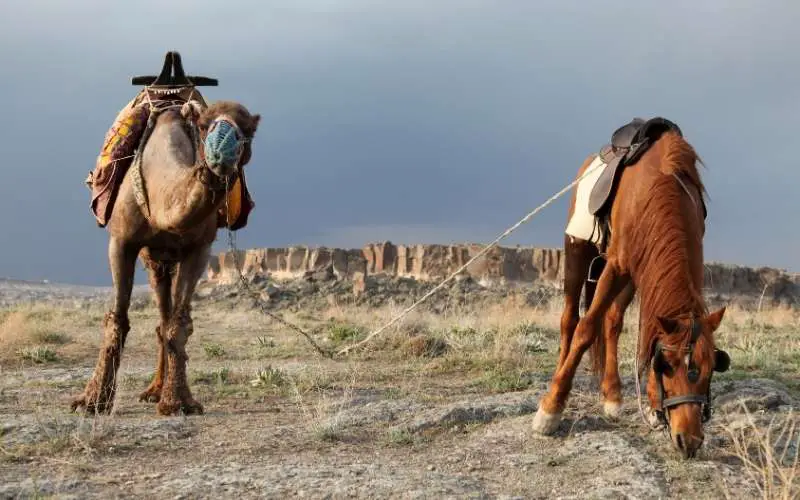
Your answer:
<point x="655" y="249"/>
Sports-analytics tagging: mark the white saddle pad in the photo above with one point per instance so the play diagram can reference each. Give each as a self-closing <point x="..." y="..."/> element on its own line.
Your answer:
<point x="583" y="224"/>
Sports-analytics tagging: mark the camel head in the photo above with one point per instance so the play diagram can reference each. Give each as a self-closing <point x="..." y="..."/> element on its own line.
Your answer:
<point x="226" y="133"/>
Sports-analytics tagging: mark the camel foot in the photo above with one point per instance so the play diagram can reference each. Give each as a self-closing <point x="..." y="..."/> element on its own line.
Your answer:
<point x="612" y="409"/>
<point x="151" y="395"/>
<point x="188" y="406"/>
<point x="92" y="403"/>
<point x="546" y="423"/>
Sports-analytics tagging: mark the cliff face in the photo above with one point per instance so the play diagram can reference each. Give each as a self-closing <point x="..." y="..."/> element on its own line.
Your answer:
<point x="421" y="262"/>
<point x="501" y="264"/>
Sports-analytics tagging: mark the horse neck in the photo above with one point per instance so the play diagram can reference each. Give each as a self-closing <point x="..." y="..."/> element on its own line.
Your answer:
<point x="669" y="261"/>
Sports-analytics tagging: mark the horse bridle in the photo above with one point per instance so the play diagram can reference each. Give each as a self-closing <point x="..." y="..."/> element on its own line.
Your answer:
<point x="722" y="360"/>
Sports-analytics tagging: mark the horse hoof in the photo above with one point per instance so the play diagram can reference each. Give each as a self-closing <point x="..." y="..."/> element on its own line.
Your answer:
<point x="612" y="409"/>
<point x="654" y="421"/>
<point x="546" y="423"/>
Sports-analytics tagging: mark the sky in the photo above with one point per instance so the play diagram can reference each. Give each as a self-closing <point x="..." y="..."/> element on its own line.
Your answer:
<point x="421" y="121"/>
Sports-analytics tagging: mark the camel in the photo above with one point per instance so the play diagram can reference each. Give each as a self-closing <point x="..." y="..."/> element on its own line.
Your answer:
<point x="172" y="233"/>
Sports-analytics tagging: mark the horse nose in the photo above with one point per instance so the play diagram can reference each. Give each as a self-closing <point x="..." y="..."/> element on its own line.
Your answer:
<point x="686" y="444"/>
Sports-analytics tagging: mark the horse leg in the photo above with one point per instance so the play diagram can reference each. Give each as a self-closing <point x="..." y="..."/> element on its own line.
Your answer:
<point x="578" y="255"/>
<point x="611" y="282"/>
<point x="98" y="396"/>
<point x="611" y="385"/>
<point x="160" y="282"/>
<point x="175" y="393"/>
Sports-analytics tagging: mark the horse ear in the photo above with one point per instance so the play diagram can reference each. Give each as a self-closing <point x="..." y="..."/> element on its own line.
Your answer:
<point x="714" y="319"/>
<point x="722" y="361"/>
<point x="669" y="325"/>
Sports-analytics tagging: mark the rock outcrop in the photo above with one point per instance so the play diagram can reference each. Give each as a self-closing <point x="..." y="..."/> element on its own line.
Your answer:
<point x="501" y="265"/>
<point x="421" y="262"/>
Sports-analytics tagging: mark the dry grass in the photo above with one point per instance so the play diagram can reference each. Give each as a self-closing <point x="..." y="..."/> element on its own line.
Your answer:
<point x="769" y="454"/>
<point x="240" y="359"/>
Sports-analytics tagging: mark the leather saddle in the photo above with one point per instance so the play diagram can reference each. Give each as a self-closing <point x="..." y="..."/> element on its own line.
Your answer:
<point x="628" y="144"/>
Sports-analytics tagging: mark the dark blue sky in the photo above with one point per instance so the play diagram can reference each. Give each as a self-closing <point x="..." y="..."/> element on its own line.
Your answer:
<point x="415" y="121"/>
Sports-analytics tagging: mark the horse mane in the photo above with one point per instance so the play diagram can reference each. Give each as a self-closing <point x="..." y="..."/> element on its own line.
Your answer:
<point x="669" y="272"/>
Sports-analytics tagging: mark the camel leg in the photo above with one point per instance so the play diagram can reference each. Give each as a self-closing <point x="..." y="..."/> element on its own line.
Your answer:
<point x="175" y="394"/>
<point x="578" y="255"/>
<point x="161" y="283"/>
<point x="548" y="416"/>
<point x="98" y="396"/>
<point x="611" y="385"/>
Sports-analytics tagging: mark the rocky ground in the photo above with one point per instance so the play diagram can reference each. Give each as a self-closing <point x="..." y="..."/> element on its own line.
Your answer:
<point x="440" y="407"/>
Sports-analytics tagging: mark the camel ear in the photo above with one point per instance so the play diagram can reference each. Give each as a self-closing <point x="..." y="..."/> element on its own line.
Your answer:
<point x="254" y="121"/>
<point x="668" y="325"/>
<point x="714" y="319"/>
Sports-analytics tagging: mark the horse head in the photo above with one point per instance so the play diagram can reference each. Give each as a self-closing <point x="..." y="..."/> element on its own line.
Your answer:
<point x="683" y="359"/>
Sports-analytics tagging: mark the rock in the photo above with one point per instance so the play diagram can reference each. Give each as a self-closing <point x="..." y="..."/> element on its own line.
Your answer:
<point x="755" y="394"/>
<point x="498" y="265"/>
<point x="359" y="284"/>
<point x="483" y="410"/>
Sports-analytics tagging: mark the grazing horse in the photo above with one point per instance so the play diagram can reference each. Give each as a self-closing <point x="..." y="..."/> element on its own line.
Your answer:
<point x="657" y="216"/>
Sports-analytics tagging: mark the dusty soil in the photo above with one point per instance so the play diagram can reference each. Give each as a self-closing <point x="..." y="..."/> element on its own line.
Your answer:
<point x="280" y="421"/>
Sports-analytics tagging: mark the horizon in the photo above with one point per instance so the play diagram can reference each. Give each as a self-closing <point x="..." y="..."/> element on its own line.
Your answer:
<point x="441" y="122"/>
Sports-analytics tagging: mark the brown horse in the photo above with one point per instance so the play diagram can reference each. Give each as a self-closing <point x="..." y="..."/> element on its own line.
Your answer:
<point x="656" y="248"/>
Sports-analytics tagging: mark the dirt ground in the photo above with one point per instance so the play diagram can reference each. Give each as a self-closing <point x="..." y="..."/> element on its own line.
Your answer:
<point x="440" y="407"/>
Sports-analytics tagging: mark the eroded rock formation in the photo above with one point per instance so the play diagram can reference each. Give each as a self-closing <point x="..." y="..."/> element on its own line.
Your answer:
<point x="421" y="262"/>
<point x="499" y="265"/>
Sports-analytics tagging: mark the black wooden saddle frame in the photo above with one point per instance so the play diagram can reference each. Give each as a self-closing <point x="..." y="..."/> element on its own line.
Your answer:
<point x="173" y="76"/>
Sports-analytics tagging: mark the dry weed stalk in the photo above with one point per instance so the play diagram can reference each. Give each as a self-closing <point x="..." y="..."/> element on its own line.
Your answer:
<point x="766" y="455"/>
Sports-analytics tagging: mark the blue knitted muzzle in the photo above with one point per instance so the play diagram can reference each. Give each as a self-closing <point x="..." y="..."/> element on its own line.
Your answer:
<point x="223" y="144"/>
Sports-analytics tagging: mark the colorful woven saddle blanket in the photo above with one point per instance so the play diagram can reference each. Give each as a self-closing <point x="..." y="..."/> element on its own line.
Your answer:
<point x="119" y="149"/>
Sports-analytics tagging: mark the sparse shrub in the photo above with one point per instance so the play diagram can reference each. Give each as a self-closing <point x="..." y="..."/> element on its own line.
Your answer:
<point x="343" y="332"/>
<point x="51" y="338"/>
<point x="769" y="455"/>
<point x="269" y="377"/>
<point x="400" y="436"/>
<point x="39" y="354"/>
<point x="220" y="376"/>
<point x="265" y="342"/>
<point x="426" y="346"/>
<point x="213" y="350"/>
<point x="530" y="329"/>
<point x="505" y="381"/>
<point x="463" y="331"/>
<point x="330" y="431"/>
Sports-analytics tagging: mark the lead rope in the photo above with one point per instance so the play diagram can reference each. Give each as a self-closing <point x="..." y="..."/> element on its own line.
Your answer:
<point x="245" y="285"/>
<point x="470" y="261"/>
<point x="638" y="373"/>
<point x="256" y="296"/>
